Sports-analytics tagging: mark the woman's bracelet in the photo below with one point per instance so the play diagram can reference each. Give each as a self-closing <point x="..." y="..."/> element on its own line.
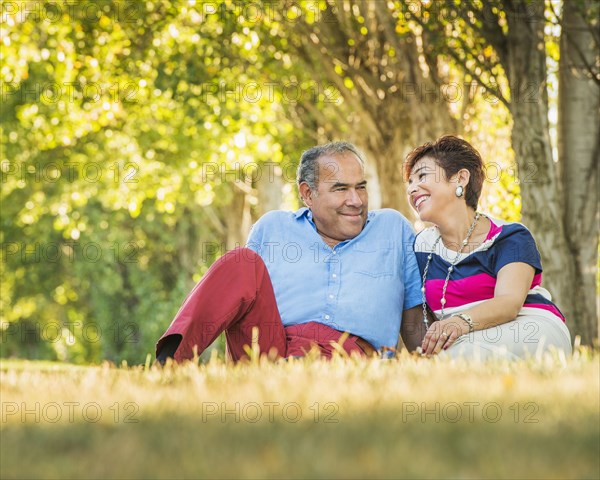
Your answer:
<point x="467" y="318"/>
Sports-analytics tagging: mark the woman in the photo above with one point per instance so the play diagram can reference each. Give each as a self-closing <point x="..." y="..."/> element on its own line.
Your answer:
<point x="481" y="276"/>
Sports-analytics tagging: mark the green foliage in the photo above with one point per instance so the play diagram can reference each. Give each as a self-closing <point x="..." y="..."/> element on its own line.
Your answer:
<point x="127" y="130"/>
<point x="133" y="136"/>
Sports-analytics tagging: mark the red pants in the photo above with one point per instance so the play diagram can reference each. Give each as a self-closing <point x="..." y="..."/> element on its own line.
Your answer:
<point x="234" y="296"/>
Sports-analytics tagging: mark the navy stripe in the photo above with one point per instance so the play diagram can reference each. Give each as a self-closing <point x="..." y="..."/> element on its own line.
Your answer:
<point x="474" y="264"/>
<point x="536" y="298"/>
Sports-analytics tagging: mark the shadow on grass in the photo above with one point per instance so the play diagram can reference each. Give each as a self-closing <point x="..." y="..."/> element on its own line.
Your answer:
<point x="377" y="444"/>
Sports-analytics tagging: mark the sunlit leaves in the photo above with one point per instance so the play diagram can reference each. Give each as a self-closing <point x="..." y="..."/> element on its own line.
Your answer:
<point x="120" y="125"/>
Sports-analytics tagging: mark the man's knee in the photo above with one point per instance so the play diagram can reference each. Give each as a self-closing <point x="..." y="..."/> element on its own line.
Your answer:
<point x="239" y="255"/>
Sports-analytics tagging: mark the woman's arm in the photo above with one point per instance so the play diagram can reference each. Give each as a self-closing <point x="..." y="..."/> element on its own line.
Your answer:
<point x="512" y="285"/>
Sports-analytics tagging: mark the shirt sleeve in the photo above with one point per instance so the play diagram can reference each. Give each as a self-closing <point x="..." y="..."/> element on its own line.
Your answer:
<point x="412" y="277"/>
<point x="516" y="245"/>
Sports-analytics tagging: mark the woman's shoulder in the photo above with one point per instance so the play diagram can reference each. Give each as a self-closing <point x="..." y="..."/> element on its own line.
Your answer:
<point x="502" y="230"/>
<point x="512" y="242"/>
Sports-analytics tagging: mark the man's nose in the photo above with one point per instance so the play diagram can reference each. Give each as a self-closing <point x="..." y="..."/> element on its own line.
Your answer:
<point x="353" y="198"/>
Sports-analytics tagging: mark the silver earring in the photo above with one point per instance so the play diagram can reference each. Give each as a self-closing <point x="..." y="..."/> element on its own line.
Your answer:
<point x="459" y="191"/>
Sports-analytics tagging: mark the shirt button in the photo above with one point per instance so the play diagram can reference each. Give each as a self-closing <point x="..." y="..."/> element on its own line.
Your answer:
<point x="326" y="317"/>
<point x="334" y="252"/>
<point x="334" y="275"/>
<point x="330" y="296"/>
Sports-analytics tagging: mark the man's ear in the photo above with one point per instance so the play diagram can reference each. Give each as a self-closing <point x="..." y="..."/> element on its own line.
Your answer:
<point x="306" y="194"/>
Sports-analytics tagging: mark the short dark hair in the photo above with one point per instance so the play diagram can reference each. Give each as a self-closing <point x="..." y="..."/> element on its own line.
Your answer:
<point x="452" y="154"/>
<point x="308" y="169"/>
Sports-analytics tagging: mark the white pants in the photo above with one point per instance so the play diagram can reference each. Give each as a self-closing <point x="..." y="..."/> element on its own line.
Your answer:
<point x="527" y="336"/>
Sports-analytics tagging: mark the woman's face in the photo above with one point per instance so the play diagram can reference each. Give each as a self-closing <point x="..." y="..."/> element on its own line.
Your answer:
<point x="429" y="191"/>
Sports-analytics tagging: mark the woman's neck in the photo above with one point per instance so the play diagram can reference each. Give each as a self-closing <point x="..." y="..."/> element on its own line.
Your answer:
<point x="455" y="227"/>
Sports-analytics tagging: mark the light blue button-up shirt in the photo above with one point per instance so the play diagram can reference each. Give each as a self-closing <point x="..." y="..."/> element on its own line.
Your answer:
<point x="360" y="286"/>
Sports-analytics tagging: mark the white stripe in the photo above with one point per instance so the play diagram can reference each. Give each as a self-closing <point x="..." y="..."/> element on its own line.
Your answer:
<point x="426" y="239"/>
<point x="448" y="312"/>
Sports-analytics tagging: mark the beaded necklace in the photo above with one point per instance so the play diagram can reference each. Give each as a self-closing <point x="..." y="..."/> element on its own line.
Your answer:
<point x="465" y="242"/>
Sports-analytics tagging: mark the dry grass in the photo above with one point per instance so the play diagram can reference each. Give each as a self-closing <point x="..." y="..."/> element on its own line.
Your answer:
<point x="348" y="418"/>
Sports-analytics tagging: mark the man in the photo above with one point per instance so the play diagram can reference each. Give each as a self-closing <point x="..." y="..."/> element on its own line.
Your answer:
<point x="330" y="272"/>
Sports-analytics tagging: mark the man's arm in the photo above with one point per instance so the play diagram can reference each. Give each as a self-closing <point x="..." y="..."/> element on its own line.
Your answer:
<point x="413" y="328"/>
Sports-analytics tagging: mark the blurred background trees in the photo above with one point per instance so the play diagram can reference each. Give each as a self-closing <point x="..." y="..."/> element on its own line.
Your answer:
<point x="140" y="140"/>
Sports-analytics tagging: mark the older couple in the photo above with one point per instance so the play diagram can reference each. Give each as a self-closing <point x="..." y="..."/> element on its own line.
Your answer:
<point x="334" y="275"/>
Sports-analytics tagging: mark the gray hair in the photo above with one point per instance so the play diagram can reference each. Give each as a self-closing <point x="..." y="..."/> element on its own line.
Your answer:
<point x="308" y="170"/>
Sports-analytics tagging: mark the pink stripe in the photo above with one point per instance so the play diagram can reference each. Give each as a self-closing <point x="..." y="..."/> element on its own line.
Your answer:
<point x="494" y="229"/>
<point x="549" y="308"/>
<point x="459" y="292"/>
<point x="537" y="280"/>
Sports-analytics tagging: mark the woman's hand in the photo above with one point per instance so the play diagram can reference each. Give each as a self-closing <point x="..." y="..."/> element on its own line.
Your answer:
<point x="442" y="334"/>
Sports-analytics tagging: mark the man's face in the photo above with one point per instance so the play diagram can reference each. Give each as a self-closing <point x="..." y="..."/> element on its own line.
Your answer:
<point x="340" y="203"/>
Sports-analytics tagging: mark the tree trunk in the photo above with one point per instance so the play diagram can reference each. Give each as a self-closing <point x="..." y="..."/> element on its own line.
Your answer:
<point x="542" y="195"/>
<point x="579" y="137"/>
<point x="269" y="186"/>
<point x="237" y="216"/>
<point x="390" y="104"/>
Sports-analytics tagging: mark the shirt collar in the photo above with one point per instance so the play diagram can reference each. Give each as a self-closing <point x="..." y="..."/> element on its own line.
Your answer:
<point x="304" y="211"/>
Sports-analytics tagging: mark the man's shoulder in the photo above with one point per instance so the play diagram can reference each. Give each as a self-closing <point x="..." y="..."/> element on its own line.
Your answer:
<point x="275" y="222"/>
<point x="277" y="217"/>
<point x="390" y="217"/>
<point x="273" y="225"/>
<point x="388" y="214"/>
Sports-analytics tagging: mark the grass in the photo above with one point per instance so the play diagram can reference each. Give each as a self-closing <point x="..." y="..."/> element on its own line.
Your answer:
<point x="307" y="418"/>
